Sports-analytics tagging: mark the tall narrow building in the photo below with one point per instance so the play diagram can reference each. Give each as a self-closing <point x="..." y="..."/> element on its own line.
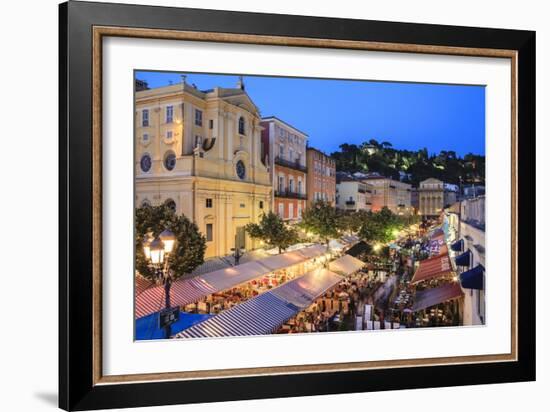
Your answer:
<point x="321" y="177"/>
<point x="284" y="150"/>
<point x="199" y="151"/>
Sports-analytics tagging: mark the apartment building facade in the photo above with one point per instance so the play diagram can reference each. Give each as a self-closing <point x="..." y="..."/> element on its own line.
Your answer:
<point x="352" y="194"/>
<point x="284" y="151"/>
<point x="321" y="177"/>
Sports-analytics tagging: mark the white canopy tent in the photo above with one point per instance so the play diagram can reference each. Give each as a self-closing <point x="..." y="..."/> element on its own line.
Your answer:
<point x="302" y="291"/>
<point x="346" y="265"/>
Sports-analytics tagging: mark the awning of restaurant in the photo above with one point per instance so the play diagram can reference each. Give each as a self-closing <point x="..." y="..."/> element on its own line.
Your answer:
<point x="463" y="259"/>
<point x="431" y="297"/>
<point x="258" y="316"/>
<point x="232" y="276"/>
<point x="458" y="246"/>
<point x="283" y="260"/>
<point x="186" y="291"/>
<point x="265" y="313"/>
<point x="302" y="291"/>
<point x="358" y="249"/>
<point x="183" y="292"/>
<point x="431" y="268"/>
<point x="142" y="284"/>
<point x="346" y="264"/>
<point x="312" y="251"/>
<point x="473" y="278"/>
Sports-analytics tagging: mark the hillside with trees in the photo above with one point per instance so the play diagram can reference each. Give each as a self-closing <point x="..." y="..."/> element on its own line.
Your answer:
<point x="419" y="165"/>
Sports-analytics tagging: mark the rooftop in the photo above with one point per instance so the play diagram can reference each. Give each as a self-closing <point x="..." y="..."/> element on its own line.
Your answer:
<point x="345" y="177"/>
<point x="318" y="151"/>
<point x="276" y="119"/>
<point x="231" y="95"/>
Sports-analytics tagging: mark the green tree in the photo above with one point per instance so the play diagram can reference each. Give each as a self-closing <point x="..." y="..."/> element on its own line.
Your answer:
<point x="321" y="219"/>
<point x="273" y="231"/>
<point x="381" y="226"/>
<point x="190" y="245"/>
<point x="351" y="222"/>
<point x="388" y="161"/>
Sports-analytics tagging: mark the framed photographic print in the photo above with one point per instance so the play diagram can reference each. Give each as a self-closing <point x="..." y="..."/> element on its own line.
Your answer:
<point x="259" y="205"/>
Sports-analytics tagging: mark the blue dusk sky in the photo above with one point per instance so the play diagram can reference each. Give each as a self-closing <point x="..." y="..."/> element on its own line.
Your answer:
<point x="331" y="112"/>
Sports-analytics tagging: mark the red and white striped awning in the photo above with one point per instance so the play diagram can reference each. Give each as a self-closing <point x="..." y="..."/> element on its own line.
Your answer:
<point x="434" y="267"/>
<point x="265" y="313"/>
<point x="142" y="284"/>
<point x="431" y="297"/>
<point x="182" y="292"/>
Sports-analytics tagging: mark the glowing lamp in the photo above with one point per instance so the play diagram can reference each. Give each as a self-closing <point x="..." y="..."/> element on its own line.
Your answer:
<point x="168" y="239"/>
<point x="147" y="245"/>
<point x="156" y="248"/>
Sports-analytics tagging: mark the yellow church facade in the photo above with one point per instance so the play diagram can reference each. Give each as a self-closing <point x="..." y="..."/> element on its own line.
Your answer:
<point x="200" y="153"/>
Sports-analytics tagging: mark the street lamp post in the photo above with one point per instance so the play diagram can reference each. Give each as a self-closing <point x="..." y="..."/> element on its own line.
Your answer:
<point x="157" y="251"/>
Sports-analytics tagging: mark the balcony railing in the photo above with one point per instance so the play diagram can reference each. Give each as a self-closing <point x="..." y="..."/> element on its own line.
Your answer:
<point x="350" y="202"/>
<point x="290" y="195"/>
<point x="292" y="165"/>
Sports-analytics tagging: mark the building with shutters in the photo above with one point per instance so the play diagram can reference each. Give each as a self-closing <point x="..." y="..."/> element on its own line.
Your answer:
<point x="352" y="194"/>
<point x="284" y="151"/>
<point x="321" y="177"/>
<point x="393" y="194"/>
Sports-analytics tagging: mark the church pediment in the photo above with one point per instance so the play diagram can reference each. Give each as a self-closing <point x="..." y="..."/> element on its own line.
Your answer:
<point x="244" y="102"/>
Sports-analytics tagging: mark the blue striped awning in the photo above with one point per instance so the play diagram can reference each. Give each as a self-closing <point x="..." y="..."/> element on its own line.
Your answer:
<point x="463" y="259"/>
<point x="473" y="278"/>
<point x="458" y="246"/>
<point x="258" y="316"/>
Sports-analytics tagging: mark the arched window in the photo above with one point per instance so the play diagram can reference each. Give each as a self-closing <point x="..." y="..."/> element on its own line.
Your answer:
<point x="171" y="204"/>
<point x="241" y="125"/>
<point x="145" y="203"/>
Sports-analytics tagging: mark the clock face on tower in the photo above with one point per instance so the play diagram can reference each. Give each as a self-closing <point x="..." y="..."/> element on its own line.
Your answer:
<point x="240" y="169"/>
